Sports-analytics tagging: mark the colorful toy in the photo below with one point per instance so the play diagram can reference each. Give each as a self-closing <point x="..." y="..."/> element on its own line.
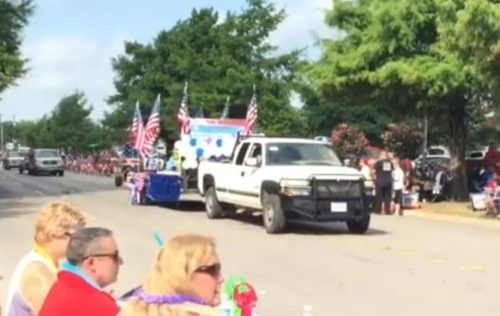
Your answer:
<point x="242" y="295"/>
<point x="246" y="298"/>
<point x="158" y="239"/>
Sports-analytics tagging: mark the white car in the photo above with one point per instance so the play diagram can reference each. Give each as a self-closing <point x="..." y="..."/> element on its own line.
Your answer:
<point x="12" y="159"/>
<point x="288" y="179"/>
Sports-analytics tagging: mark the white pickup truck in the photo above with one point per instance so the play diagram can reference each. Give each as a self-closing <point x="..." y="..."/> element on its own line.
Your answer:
<point x="288" y="179"/>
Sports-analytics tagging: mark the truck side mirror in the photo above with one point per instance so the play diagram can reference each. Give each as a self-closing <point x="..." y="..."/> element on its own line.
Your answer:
<point x="252" y="162"/>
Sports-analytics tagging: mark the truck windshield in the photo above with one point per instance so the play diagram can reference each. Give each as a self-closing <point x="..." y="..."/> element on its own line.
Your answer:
<point x="307" y="154"/>
<point x="47" y="153"/>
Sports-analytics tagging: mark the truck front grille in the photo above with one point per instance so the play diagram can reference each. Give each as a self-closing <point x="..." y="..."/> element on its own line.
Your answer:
<point x="341" y="189"/>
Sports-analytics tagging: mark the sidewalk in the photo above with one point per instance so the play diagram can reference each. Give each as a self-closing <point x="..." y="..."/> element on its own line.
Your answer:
<point x="441" y="211"/>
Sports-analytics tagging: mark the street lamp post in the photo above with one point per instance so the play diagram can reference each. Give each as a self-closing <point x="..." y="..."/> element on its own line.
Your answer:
<point x="1" y="132"/>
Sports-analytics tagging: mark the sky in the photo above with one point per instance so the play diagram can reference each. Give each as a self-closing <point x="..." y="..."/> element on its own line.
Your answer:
<point x="70" y="43"/>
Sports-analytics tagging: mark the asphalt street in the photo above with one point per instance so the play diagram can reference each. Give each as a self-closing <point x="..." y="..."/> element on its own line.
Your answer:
<point x="15" y="185"/>
<point x="411" y="265"/>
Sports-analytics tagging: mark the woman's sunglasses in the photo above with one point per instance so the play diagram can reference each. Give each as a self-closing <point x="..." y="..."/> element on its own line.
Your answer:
<point x="212" y="270"/>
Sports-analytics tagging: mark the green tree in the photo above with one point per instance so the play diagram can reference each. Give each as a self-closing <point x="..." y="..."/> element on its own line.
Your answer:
<point x="13" y="18"/>
<point x="348" y="139"/>
<point x="27" y="132"/>
<point x="404" y="139"/>
<point x="69" y="125"/>
<point x="218" y="59"/>
<point x="438" y="55"/>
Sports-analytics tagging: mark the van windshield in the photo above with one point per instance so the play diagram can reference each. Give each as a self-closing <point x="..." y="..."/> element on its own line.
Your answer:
<point x="306" y="154"/>
<point x="47" y="153"/>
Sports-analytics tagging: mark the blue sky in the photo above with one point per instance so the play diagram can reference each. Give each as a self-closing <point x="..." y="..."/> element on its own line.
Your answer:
<point x="70" y="44"/>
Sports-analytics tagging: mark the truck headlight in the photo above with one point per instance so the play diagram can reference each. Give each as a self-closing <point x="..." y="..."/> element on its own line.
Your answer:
<point x="295" y="187"/>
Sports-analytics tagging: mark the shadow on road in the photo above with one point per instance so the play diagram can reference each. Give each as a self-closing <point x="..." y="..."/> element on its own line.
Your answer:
<point x="304" y="228"/>
<point x="184" y="206"/>
<point x="300" y="228"/>
<point x="13" y="208"/>
<point x="15" y="185"/>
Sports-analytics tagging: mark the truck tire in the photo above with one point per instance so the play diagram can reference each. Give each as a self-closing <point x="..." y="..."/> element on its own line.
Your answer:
<point x="359" y="226"/>
<point x="212" y="206"/>
<point x="273" y="214"/>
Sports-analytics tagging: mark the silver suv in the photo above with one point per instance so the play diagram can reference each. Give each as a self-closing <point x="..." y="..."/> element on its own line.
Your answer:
<point x="44" y="161"/>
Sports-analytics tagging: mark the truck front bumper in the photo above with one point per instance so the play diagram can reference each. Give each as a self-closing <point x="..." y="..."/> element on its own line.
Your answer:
<point x="329" y="201"/>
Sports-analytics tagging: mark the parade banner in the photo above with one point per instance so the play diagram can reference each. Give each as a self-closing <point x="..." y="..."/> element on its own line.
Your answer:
<point x="211" y="137"/>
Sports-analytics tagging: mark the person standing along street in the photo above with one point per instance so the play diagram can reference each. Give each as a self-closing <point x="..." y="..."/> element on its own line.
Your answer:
<point x="398" y="184"/>
<point x="185" y="280"/>
<point x="93" y="262"/>
<point x="37" y="271"/>
<point x="383" y="183"/>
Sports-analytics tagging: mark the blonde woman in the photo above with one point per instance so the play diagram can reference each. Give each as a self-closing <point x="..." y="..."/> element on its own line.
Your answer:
<point x="37" y="271"/>
<point x="184" y="281"/>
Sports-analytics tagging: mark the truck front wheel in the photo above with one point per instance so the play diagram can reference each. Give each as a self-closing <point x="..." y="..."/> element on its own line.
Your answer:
<point x="274" y="216"/>
<point x="359" y="226"/>
<point x="213" y="207"/>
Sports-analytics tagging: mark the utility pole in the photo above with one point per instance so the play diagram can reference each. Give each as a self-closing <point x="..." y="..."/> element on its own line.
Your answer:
<point x="14" y="131"/>
<point x="1" y="133"/>
<point x="426" y="131"/>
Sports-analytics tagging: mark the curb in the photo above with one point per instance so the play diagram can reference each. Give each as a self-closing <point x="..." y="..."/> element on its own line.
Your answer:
<point x="454" y="218"/>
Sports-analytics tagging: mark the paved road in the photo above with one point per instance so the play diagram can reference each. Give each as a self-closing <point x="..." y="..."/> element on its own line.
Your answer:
<point x="416" y="265"/>
<point x="15" y="185"/>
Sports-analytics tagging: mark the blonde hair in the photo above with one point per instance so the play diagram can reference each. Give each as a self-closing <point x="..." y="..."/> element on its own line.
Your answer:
<point x="56" y="219"/>
<point x="171" y="274"/>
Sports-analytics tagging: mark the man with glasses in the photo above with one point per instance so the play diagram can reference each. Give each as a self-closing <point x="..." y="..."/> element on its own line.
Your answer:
<point x="93" y="262"/>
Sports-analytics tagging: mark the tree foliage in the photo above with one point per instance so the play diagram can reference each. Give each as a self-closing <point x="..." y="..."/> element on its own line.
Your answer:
<point x="13" y="18"/>
<point x="404" y="139"/>
<point x="323" y="114"/>
<point x="349" y="139"/>
<point x="68" y="127"/>
<point x="218" y="57"/>
<point x="437" y="55"/>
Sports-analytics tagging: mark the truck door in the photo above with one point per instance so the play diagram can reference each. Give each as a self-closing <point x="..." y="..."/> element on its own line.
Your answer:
<point x="232" y="180"/>
<point x="251" y="176"/>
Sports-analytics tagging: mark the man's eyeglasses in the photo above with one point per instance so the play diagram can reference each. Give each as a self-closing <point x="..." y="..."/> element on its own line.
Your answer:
<point x="114" y="255"/>
<point x="212" y="270"/>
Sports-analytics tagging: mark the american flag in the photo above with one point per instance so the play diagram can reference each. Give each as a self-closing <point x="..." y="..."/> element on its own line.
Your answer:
<point x="140" y="180"/>
<point x="225" y="112"/>
<point x="129" y="151"/>
<point x="251" y="119"/>
<point x="141" y="132"/>
<point x="183" y="114"/>
<point x="136" y="121"/>
<point x="152" y="128"/>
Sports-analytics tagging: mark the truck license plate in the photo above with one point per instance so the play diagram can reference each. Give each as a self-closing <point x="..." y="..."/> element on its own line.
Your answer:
<point x="336" y="207"/>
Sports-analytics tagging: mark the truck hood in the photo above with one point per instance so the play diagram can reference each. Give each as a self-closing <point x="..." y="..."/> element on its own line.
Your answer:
<point x="48" y="159"/>
<point x="307" y="172"/>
